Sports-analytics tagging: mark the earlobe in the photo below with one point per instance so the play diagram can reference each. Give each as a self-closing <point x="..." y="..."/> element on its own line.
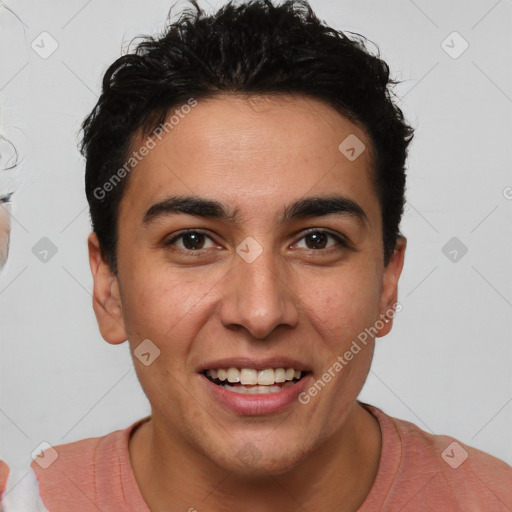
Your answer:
<point x="106" y="296"/>
<point x="389" y="295"/>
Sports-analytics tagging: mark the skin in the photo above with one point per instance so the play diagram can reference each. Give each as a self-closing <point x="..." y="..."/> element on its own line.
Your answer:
<point x="255" y="154"/>
<point x="5" y="230"/>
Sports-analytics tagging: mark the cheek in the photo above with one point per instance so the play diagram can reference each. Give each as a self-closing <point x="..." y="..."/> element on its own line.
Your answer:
<point x="344" y="305"/>
<point x="166" y="307"/>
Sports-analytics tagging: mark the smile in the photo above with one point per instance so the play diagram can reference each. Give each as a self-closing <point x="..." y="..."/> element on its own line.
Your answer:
<point x="249" y="381"/>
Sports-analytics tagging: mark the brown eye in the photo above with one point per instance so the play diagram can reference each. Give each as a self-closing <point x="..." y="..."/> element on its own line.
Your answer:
<point x="193" y="241"/>
<point x="319" y="239"/>
<point x="190" y="240"/>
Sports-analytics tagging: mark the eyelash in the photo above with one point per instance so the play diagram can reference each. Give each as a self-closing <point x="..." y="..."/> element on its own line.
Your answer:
<point x="342" y="241"/>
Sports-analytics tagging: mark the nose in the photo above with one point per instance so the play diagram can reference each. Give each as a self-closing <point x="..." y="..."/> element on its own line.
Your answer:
<point x="257" y="297"/>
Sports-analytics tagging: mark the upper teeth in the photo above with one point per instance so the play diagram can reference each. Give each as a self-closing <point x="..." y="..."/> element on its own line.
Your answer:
<point x="265" y="377"/>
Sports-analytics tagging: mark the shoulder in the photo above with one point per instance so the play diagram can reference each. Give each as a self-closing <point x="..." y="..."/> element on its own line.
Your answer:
<point x="438" y="470"/>
<point x="450" y="455"/>
<point x="59" y="476"/>
<point x="86" y="474"/>
<point x="67" y="473"/>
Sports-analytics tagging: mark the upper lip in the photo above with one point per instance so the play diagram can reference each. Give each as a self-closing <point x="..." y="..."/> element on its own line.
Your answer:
<point x="256" y="364"/>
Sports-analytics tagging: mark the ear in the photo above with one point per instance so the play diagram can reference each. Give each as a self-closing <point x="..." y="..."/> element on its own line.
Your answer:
<point x="389" y="294"/>
<point x="106" y="299"/>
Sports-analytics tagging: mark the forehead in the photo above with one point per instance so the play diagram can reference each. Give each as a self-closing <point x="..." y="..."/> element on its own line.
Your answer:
<point x="260" y="151"/>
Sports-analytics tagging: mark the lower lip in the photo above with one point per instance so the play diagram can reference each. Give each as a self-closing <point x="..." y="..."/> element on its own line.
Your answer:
<point x="256" y="405"/>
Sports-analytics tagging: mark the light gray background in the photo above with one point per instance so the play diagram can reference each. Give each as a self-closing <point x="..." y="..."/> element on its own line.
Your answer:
<point x="446" y="365"/>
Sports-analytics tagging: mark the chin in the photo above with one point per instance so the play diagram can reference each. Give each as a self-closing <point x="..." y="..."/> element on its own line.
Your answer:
<point x="256" y="460"/>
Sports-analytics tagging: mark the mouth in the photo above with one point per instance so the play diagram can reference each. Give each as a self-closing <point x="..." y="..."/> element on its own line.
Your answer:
<point x="250" y="381"/>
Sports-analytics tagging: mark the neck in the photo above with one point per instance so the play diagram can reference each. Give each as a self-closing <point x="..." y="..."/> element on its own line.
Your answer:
<point x="341" y="470"/>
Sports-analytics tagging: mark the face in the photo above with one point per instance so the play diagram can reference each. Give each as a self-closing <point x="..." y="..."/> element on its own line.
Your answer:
<point x="283" y="270"/>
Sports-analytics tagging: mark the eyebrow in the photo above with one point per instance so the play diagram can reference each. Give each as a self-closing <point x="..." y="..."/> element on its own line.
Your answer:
<point x="317" y="206"/>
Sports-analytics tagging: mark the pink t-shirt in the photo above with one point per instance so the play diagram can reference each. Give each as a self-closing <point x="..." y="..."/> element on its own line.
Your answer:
<point x="418" y="472"/>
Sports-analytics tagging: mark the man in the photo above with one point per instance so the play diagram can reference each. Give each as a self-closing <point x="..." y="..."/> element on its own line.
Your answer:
<point x="245" y="176"/>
